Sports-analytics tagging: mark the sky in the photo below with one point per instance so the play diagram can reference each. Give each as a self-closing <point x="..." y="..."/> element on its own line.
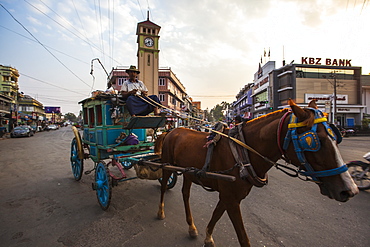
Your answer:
<point x="214" y="47"/>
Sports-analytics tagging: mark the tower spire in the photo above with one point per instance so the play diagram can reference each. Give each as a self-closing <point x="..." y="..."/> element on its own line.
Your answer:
<point x="148" y="16"/>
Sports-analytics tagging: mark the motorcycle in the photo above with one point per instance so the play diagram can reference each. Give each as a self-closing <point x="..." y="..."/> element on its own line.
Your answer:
<point x="347" y="132"/>
<point x="360" y="173"/>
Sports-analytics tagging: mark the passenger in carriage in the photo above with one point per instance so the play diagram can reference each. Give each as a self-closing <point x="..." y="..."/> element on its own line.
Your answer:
<point x="131" y="90"/>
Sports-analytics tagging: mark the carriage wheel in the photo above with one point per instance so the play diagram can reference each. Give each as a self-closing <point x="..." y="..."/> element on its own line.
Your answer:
<point x="103" y="185"/>
<point x="171" y="181"/>
<point x="76" y="163"/>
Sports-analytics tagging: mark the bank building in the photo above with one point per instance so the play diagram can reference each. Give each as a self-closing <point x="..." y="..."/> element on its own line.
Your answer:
<point x="322" y="79"/>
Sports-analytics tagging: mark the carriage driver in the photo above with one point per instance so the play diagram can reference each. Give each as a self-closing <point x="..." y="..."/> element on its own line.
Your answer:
<point x="130" y="91"/>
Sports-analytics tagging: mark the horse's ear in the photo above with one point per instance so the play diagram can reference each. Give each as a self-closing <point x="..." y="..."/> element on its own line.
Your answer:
<point x="313" y="104"/>
<point x="298" y="111"/>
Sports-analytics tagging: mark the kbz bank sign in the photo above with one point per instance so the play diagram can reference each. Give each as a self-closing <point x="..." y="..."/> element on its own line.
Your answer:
<point x="326" y="61"/>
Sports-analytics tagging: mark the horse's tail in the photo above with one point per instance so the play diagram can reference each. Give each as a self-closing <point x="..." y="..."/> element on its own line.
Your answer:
<point x="159" y="143"/>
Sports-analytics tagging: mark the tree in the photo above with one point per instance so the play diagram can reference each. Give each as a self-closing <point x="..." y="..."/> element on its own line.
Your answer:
<point x="218" y="112"/>
<point x="70" y="116"/>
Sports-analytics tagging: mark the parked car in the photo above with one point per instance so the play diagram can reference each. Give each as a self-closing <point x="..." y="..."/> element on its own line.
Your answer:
<point x="52" y="127"/>
<point x="24" y="130"/>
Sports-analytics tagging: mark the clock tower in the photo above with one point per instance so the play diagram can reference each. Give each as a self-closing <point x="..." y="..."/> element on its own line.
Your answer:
<point x="147" y="54"/>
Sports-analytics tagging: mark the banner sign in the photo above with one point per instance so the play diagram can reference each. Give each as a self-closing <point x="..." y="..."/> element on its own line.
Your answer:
<point x="49" y="109"/>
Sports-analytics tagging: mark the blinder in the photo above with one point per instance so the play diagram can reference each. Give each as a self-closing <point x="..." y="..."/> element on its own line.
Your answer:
<point x="309" y="141"/>
<point x="336" y="133"/>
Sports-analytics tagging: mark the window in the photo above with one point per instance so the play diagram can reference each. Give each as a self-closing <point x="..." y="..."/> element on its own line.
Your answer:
<point x="121" y="80"/>
<point x="99" y="115"/>
<point x="91" y="117"/>
<point x="162" y="82"/>
<point x="148" y="60"/>
<point x="85" y="116"/>
<point x="161" y="97"/>
<point x="173" y="100"/>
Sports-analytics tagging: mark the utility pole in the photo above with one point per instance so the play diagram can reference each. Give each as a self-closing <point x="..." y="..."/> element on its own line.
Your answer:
<point x="334" y="76"/>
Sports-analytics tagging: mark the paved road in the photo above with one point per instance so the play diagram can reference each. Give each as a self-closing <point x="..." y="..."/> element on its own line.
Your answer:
<point x="42" y="205"/>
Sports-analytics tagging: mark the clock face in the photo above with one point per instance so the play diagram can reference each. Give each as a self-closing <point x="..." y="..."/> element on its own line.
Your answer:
<point x="148" y="42"/>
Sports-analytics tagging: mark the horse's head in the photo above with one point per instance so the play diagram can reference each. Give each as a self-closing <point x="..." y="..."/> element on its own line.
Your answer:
<point x="311" y="145"/>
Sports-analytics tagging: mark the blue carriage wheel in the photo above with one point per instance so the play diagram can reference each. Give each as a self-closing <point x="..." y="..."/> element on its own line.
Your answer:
<point x="103" y="185"/>
<point x="76" y="163"/>
<point x="171" y="181"/>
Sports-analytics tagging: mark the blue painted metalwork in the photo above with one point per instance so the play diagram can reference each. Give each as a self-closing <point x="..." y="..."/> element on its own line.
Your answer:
<point x="309" y="141"/>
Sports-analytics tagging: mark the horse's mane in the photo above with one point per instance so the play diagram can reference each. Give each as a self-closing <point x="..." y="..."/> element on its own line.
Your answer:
<point x="263" y="117"/>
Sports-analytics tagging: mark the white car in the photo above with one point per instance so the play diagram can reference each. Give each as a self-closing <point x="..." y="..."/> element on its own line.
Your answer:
<point x="53" y="127"/>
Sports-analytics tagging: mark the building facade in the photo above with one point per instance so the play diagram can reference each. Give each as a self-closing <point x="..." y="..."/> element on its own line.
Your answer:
<point x="243" y="104"/>
<point x="311" y="79"/>
<point x="30" y="111"/>
<point x="262" y="94"/>
<point x="9" y="91"/>
<point x="5" y="112"/>
<point x="305" y="82"/>
<point x="365" y="81"/>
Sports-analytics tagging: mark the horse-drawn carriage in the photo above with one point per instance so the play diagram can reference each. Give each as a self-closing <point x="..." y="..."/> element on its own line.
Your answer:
<point x="112" y="138"/>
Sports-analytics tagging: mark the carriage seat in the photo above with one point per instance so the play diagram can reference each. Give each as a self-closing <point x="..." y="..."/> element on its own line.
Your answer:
<point x="146" y="122"/>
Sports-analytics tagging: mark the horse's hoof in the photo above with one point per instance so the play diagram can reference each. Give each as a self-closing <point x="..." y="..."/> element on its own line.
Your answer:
<point x="161" y="216"/>
<point x="209" y="244"/>
<point x="193" y="233"/>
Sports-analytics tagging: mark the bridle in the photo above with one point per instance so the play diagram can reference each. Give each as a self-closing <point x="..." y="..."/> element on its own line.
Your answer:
<point x="307" y="141"/>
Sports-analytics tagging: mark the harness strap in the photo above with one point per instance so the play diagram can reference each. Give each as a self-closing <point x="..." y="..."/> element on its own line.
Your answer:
<point x="213" y="138"/>
<point x="301" y="124"/>
<point x="326" y="173"/>
<point x="240" y="154"/>
<point x="281" y="122"/>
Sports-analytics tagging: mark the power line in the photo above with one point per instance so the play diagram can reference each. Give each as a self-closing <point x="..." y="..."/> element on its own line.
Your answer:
<point x="52" y="84"/>
<point x="101" y="32"/>
<point x="87" y="41"/>
<point x="141" y="10"/>
<point x="36" y="95"/>
<point x="83" y="28"/>
<point x="44" y="46"/>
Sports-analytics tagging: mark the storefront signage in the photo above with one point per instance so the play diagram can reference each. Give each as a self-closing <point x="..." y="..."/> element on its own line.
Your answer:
<point x="262" y="82"/>
<point x="326" y="61"/>
<point x="322" y="98"/>
<point x="348" y="110"/>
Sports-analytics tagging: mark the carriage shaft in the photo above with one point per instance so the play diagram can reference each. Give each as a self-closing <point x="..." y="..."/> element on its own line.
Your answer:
<point x="182" y="169"/>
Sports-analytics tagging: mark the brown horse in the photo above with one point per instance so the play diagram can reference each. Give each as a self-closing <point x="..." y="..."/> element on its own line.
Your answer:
<point x="183" y="147"/>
